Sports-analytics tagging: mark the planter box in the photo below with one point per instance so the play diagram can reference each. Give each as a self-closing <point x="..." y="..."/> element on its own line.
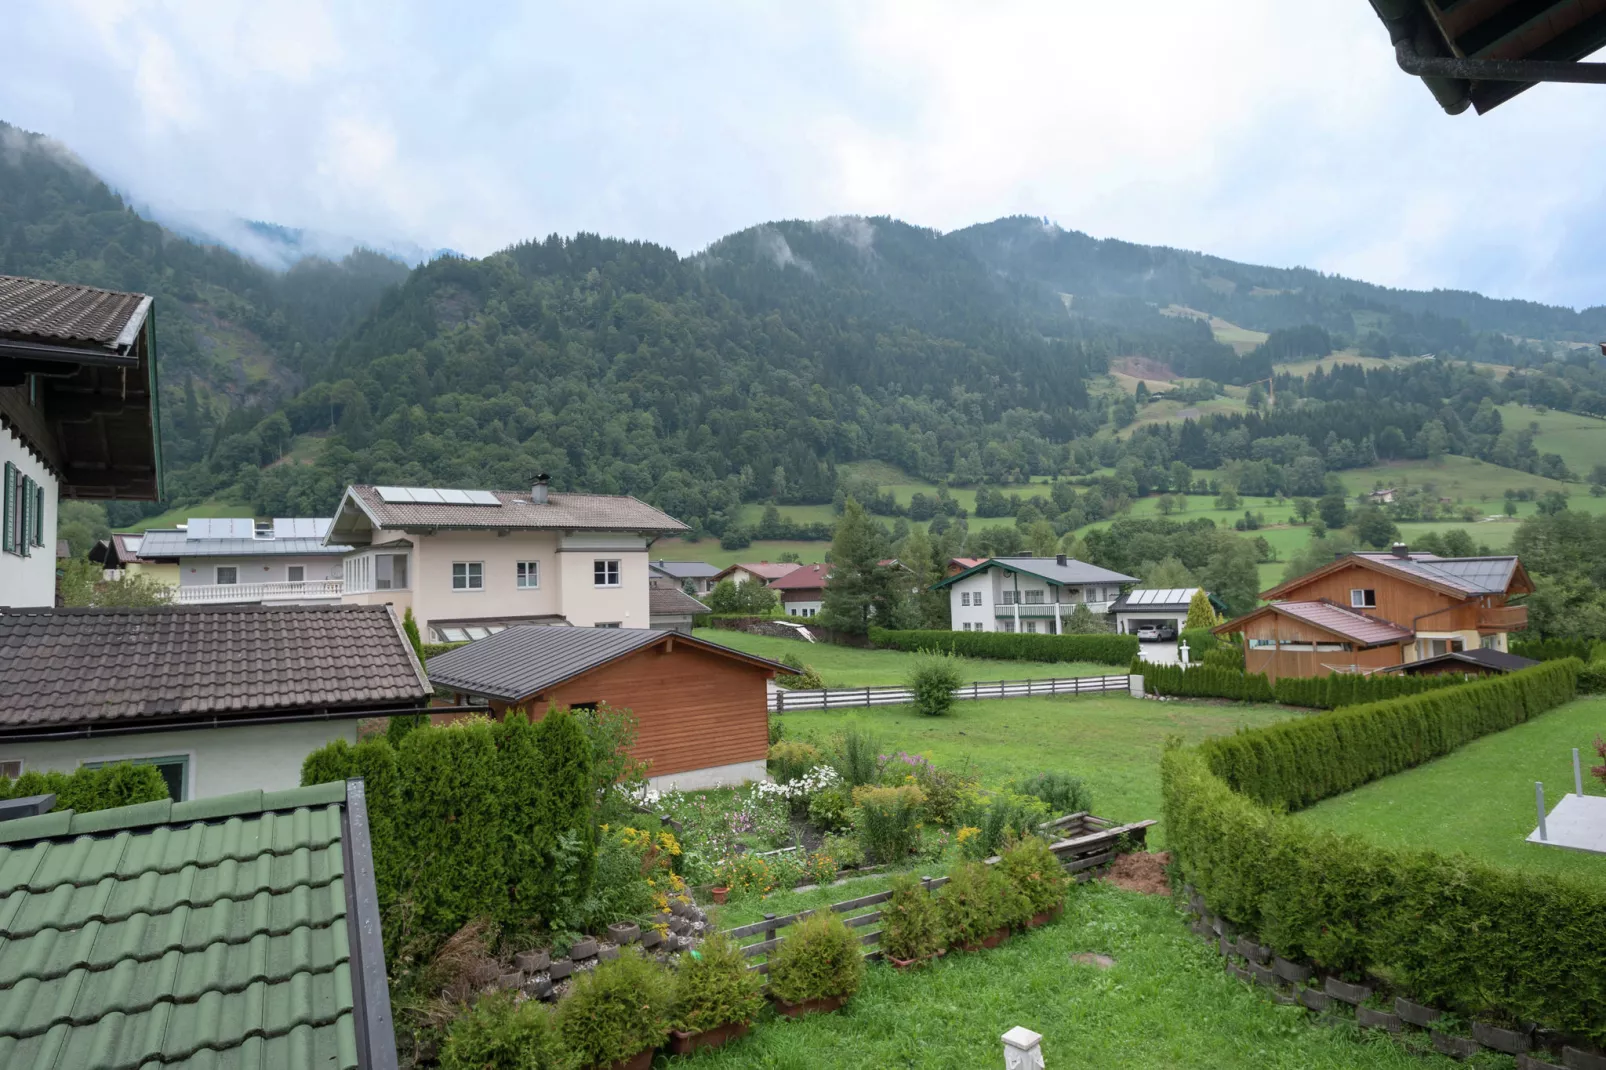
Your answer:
<point x="583" y="949"/>
<point x="1528" y="1062"/>
<point x="686" y="1043"/>
<point x="560" y="969"/>
<point x="1264" y="975"/>
<point x="642" y="1060"/>
<point x="1045" y="917"/>
<point x="1455" y="1047"/>
<point x="1574" y="1059"/>
<point x="1316" y="1001"/>
<point x="532" y="961"/>
<point x="650" y="939"/>
<point x="823" y="1005"/>
<point x="624" y="932"/>
<point x="719" y="894"/>
<point x="1373" y="1019"/>
<point x="606" y="953"/>
<point x="1252" y="951"/>
<point x="1347" y="992"/>
<point x="1417" y="1013"/>
<point x="1507" y="1040"/>
<point x="1291" y="971"/>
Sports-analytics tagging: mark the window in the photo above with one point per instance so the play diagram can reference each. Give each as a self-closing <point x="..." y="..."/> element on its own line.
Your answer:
<point x="10" y="768"/>
<point x="605" y="573"/>
<point x="529" y="575"/>
<point x="15" y="531"/>
<point x="1007" y="626"/>
<point x="964" y="598"/>
<point x="468" y="575"/>
<point x="1009" y="598"/>
<point x="1489" y="642"/>
<point x="175" y="770"/>
<point x="1363" y="598"/>
<point x="1034" y="598"/>
<point x="606" y="624"/>
<point x="390" y="572"/>
<point x="228" y="574"/>
<point x="1028" y="626"/>
<point x="296" y="573"/>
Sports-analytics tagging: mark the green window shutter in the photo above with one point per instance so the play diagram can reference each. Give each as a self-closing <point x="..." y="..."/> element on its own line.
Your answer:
<point x="38" y="515"/>
<point x="26" y="509"/>
<point x="10" y="508"/>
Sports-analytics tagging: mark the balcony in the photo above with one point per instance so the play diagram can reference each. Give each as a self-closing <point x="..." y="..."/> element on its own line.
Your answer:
<point x="289" y="593"/>
<point x="1040" y="610"/>
<point x="1502" y="618"/>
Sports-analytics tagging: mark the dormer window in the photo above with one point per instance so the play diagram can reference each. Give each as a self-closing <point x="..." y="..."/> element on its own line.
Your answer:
<point x="1363" y="598"/>
<point x="263" y="529"/>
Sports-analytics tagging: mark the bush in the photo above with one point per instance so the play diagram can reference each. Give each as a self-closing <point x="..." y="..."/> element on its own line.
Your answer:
<point x="1556" y="649"/>
<point x="497" y="1034"/>
<point x="1060" y="792"/>
<point x="819" y="868"/>
<point x="845" y="849"/>
<point x="997" y="817"/>
<point x="1592" y="678"/>
<point x="744" y="874"/>
<point x="1202" y="681"/>
<point x="853" y="756"/>
<point x="1227" y="656"/>
<point x="947" y="790"/>
<point x="561" y="802"/>
<point x="397" y="727"/>
<point x="616" y="1010"/>
<point x="714" y="987"/>
<point x="975" y="903"/>
<point x="790" y="759"/>
<point x="1201" y="641"/>
<point x="431" y="649"/>
<point x="910" y="925"/>
<point x="932" y="679"/>
<point x="888" y="820"/>
<point x="1035" y="874"/>
<point x="832" y="809"/>
<point x="1013" y="646"/>
<point x="86" y="789"/>
<point x="1350" y="689"/>
<point x="820" y="958"/>
<point x="806" y="678"/>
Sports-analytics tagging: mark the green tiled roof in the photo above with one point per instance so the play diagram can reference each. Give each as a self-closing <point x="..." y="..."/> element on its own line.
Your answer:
<point x="210" y="934"/>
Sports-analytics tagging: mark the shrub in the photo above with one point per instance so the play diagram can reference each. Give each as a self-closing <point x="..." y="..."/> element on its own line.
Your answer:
<point x="888" y="820"/>
<point x="1350" y="689"/>
<point x="806" y="678"/>
<point x="1203" y="681"/>
<point x="397" y="727"/>
<point x="820" y="958"/>
<point x="1227" y="656"/>
<point x="1035" y="874"/>
<point x="973" y="903"/>
<point x="819" y="868"/>
<point x="432" y="649"/>
<point x="1592" y="678"/>
<point x="932" y="679"/>
<point x="561" y="806"/>
<point x="625" y="858"/>
<point x="996" y="817"/>
<point x="714" y="987"/>
<point x="845" y="849"/>
<point x="497" y="1034"/>
<point x="1201" y="641"/>
<point x="790" y="759"/>
<point x="1013" y="646"/>
<point x="1062" y="793"/>
<point x="617" y="778"/>
<point x="616" y="1010"/>
<point x="374" y="762"/>
<point x="832" y="809"/>
<point x="744" y="874"/>
<point x="86" y="789"/>
<point x="1556" y="649"/>
<point x="853" y="756"/>
<point x="910" y="925"/>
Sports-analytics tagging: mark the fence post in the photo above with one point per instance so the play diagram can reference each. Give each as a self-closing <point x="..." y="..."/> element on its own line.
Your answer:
<point x="1022" y="1049"/>
<point x="1539" y="797"/>
<point x="1578" y="774"/>
<point x="769" y="934"/>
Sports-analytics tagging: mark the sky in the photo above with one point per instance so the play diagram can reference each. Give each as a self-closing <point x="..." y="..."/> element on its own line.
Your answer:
<point x="1259" y="130"/>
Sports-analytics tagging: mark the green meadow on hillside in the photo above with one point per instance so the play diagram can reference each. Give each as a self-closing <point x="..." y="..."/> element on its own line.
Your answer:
<point x="1578" y="440"/>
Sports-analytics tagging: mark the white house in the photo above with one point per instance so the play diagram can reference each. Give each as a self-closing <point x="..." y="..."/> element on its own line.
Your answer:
<point x="1028" y="594"/>
<point x="754" y="572"/>
<point x="77" y="378"/>
<point x="284" y="561"/>
<point x="221" y="699"/>
<point x="699" y="575"/>
<point x="472" y="562"/>
<point x="1142" y="607"/>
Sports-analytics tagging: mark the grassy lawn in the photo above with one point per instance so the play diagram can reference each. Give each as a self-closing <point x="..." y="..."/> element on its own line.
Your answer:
<point x="1480" y="799"/>
<point x="1579" y="440"/>
<point x="1112" y="742"/>
<point x="1165" y="1003"/>
<point x="211" y="507"/>
<point x="846" y="666"/>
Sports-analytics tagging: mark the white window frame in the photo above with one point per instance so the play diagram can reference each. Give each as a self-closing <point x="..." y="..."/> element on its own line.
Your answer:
<point x="473" y="577"/>
<point x="390" y="584"/>
<point x="527" y="575"/>
<point x="1357" y="597"/>
<point x="607" y="624"/>
<point x="219" y="570"/>
<point x="605" y="572"/>
<point x="290" y="573"/>
<point x="6" y="768"/>
<point x="964" y="598"/>
<point x="152" y="758"/>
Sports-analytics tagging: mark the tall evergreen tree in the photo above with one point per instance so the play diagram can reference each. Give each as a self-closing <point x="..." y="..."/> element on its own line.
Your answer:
<point x="861" y="591"/>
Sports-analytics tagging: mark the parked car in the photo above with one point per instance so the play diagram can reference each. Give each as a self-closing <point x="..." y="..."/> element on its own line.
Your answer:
<point x="1148" y="633"/>
<point x="1168" y="632"/>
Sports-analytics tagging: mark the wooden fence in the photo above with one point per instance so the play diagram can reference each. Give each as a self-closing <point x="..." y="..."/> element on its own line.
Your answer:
<point x="832" y="698"/>
<point x="1086" y="843"/>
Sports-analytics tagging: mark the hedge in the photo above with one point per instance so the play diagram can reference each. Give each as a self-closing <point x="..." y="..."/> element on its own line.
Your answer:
<point x="1013" y="646"/>
<point x="1201" y="641"/>
<point x="86" y="789"/>
<point x="1556" y="649"/>
<point x="1296" y="763"/>
<point x="1204" y="681"/>
<point x="1351" y="689"/>
<point x="431" y="649"/>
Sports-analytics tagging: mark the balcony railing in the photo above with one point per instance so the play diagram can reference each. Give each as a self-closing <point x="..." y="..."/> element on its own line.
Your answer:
<point x="1039" y="610"/>
<point x="1502" y="618"/>
<point x="222" y="593"/>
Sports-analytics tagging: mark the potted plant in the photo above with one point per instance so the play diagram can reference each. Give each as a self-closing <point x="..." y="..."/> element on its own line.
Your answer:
<point x="617" y="1014"/>
<point x="973" y="906"/>
<point x="716" y="995"/>
<point x="911" y="931"/>
<point x="1038" y="880"/>
<point x="818" y="966"/>
<point x="499" y="1032"/>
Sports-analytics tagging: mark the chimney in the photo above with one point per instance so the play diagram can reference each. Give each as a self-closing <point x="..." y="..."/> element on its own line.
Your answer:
<point x="1059" y="559"/>
<point x="538" y="489"/>
<point x="1401" y="550"/>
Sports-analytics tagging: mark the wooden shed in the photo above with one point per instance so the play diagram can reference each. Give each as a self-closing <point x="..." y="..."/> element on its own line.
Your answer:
<point x="702" y="708"/>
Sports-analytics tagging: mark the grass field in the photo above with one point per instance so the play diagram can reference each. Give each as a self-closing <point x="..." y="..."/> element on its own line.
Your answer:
<point x="1465" y="479"/>
<point x="1579" y="440"/>
<point x="1480" y="799"/>
<point x="211" y="507"/>
<point x="846" y="666"/>
<point x="1166" y="1002"/>
<point x="1112" y="742"/>
<point x="761" y="550"/>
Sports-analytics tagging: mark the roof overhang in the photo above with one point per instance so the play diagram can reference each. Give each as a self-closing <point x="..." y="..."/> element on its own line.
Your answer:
<point x="1237" y="625"/>
<point x="127" y="726"/>
<point x="1379" y="567"/>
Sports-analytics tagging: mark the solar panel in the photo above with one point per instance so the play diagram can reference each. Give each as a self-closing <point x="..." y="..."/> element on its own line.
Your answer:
<point x="455" y="497"/>
<point x="483" y="497"/>
<point x="434" y="496"/>
<point x="427" y="496"/>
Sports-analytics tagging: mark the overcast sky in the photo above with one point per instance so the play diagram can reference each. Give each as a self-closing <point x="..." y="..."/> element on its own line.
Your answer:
<point x="1260" y="130"/>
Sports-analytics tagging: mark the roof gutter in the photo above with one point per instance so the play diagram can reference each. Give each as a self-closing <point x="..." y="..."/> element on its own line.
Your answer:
<point x="67" y="354"/>
<point x="1474" y="69"/>
<point x="133" y="728"/>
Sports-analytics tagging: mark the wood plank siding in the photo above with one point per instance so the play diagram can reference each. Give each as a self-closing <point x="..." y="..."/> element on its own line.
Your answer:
<point x="1399" y="600"/>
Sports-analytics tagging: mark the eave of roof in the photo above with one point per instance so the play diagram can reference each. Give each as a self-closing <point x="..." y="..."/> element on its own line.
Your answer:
<point x="1013" y="565"/>
<point x="1333" y="626"/>
<point x="1379" y="566"/>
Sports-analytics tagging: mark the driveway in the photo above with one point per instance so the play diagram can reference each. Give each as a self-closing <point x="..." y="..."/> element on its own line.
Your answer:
<point x="1163" y="652"/>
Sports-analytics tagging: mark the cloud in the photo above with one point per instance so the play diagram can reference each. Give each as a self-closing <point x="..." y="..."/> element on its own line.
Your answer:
<point x="854" y="230"/>
<point x="772" y="244"/>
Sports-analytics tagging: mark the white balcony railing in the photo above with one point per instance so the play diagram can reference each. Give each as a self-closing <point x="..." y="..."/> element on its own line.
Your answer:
<point x="1040" y="610"/>
<point x="218" y="593"/>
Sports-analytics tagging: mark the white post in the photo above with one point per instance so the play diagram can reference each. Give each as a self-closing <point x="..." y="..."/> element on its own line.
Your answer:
<point x="1578" y="774"/>
<point x="1134" y="684"/>
<point x="1022" y="1049"/>
<point x="1539" y="797"/>
<point x="1059" y="629"/>
<point x="1182" y="652"/>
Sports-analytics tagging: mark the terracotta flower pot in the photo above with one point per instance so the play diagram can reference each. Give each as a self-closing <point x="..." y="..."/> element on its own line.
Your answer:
<point x="903" y="964"/>
<point x="720" y="894"/>
<point x="642" y="1060"/>
<point x="808" y="1006"/>
<point x="996" y="938"/>
<point x="686" y="1043"/>
<point x="1045" y="917"/>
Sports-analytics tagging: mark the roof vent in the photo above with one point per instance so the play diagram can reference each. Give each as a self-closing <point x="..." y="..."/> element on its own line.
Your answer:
<point x="1059" y="559"/>
<point x="1401" y="551"/>
<point x="538" y="488"/>
<point x="27" y="806"/>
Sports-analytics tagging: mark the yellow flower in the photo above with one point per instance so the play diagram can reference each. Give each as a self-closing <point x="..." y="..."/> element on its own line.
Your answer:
<point x="966" y="833"/>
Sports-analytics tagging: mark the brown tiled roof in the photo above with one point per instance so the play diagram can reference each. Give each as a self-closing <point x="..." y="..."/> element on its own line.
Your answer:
<point x="62" y="313"/>
<point x="582" y="512"/>
<point x="803" y="578"/>
<point x="765" y="570"/>
<point x="668" y="600"/>
<point x="106" y="668"/>
<point x="1371" y="631"/>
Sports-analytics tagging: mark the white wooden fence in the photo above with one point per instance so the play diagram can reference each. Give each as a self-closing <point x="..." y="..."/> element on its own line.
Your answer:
<point x="224" y="593"/>
<point x="832" y="698"/>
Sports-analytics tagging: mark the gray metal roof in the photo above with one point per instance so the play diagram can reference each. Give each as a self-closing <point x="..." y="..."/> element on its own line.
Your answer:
<point x="1474" y="575"/>
<point x="164" y="543"/>
<point x="524" y="661"/>
<point x="1072" y="572"/>
<point x="1499" y="660"/>
<point x="687" y="570"/>
<point x="574" y="512"/>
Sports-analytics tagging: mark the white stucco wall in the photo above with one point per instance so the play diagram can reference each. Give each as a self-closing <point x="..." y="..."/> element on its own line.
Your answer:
<point x="202" y="571"/>
<point x="31" y="580"/>
<point x="979" y="613"/>
<point x="584" y="603"/>
<point x="802" y="607"/>
<point x="222" y="760"/>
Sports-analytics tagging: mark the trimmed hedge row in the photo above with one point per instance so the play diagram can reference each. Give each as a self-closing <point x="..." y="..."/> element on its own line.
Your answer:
<point x="1296" y="763"/>
<point x="1351" y="689"/>
<point x="1013" y="646"/>
<point x="1450" y="931"/>
<point x="85" y="789"/>
<point x="1556" y="649"/>
<point x="1201" y="641"/>
<point x="1204" y="681"/>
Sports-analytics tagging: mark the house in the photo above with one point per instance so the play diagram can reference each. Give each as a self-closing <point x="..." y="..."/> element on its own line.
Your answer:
<point x="218" y="698"/>
<point x="802" y="590"/>
<point x="1142" y="607"/>
<point x="957" y="565"/>
<point x="1480" y="662"/>
<point x="699" y="575"/>
<point x="702" y="709"/>
<point x="669" y="608"/>
<point x="1028" y="594"/>
<point x="758" y="572"/>
<point x="77" y="417"/>
<point x="477" y="559"/>
<point x="285" y="561"/>
<point x="241" y="931"/>
<point x="1368" y="611"/>
<point x="1384" y="496"/>
<point x="120" y="556"/>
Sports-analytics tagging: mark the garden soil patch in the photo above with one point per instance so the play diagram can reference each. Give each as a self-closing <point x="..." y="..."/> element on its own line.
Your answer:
<point x="1141" y="871"/>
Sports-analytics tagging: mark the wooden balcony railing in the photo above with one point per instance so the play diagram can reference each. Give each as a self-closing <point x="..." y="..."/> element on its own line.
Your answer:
<point x="1502" y="618"/>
